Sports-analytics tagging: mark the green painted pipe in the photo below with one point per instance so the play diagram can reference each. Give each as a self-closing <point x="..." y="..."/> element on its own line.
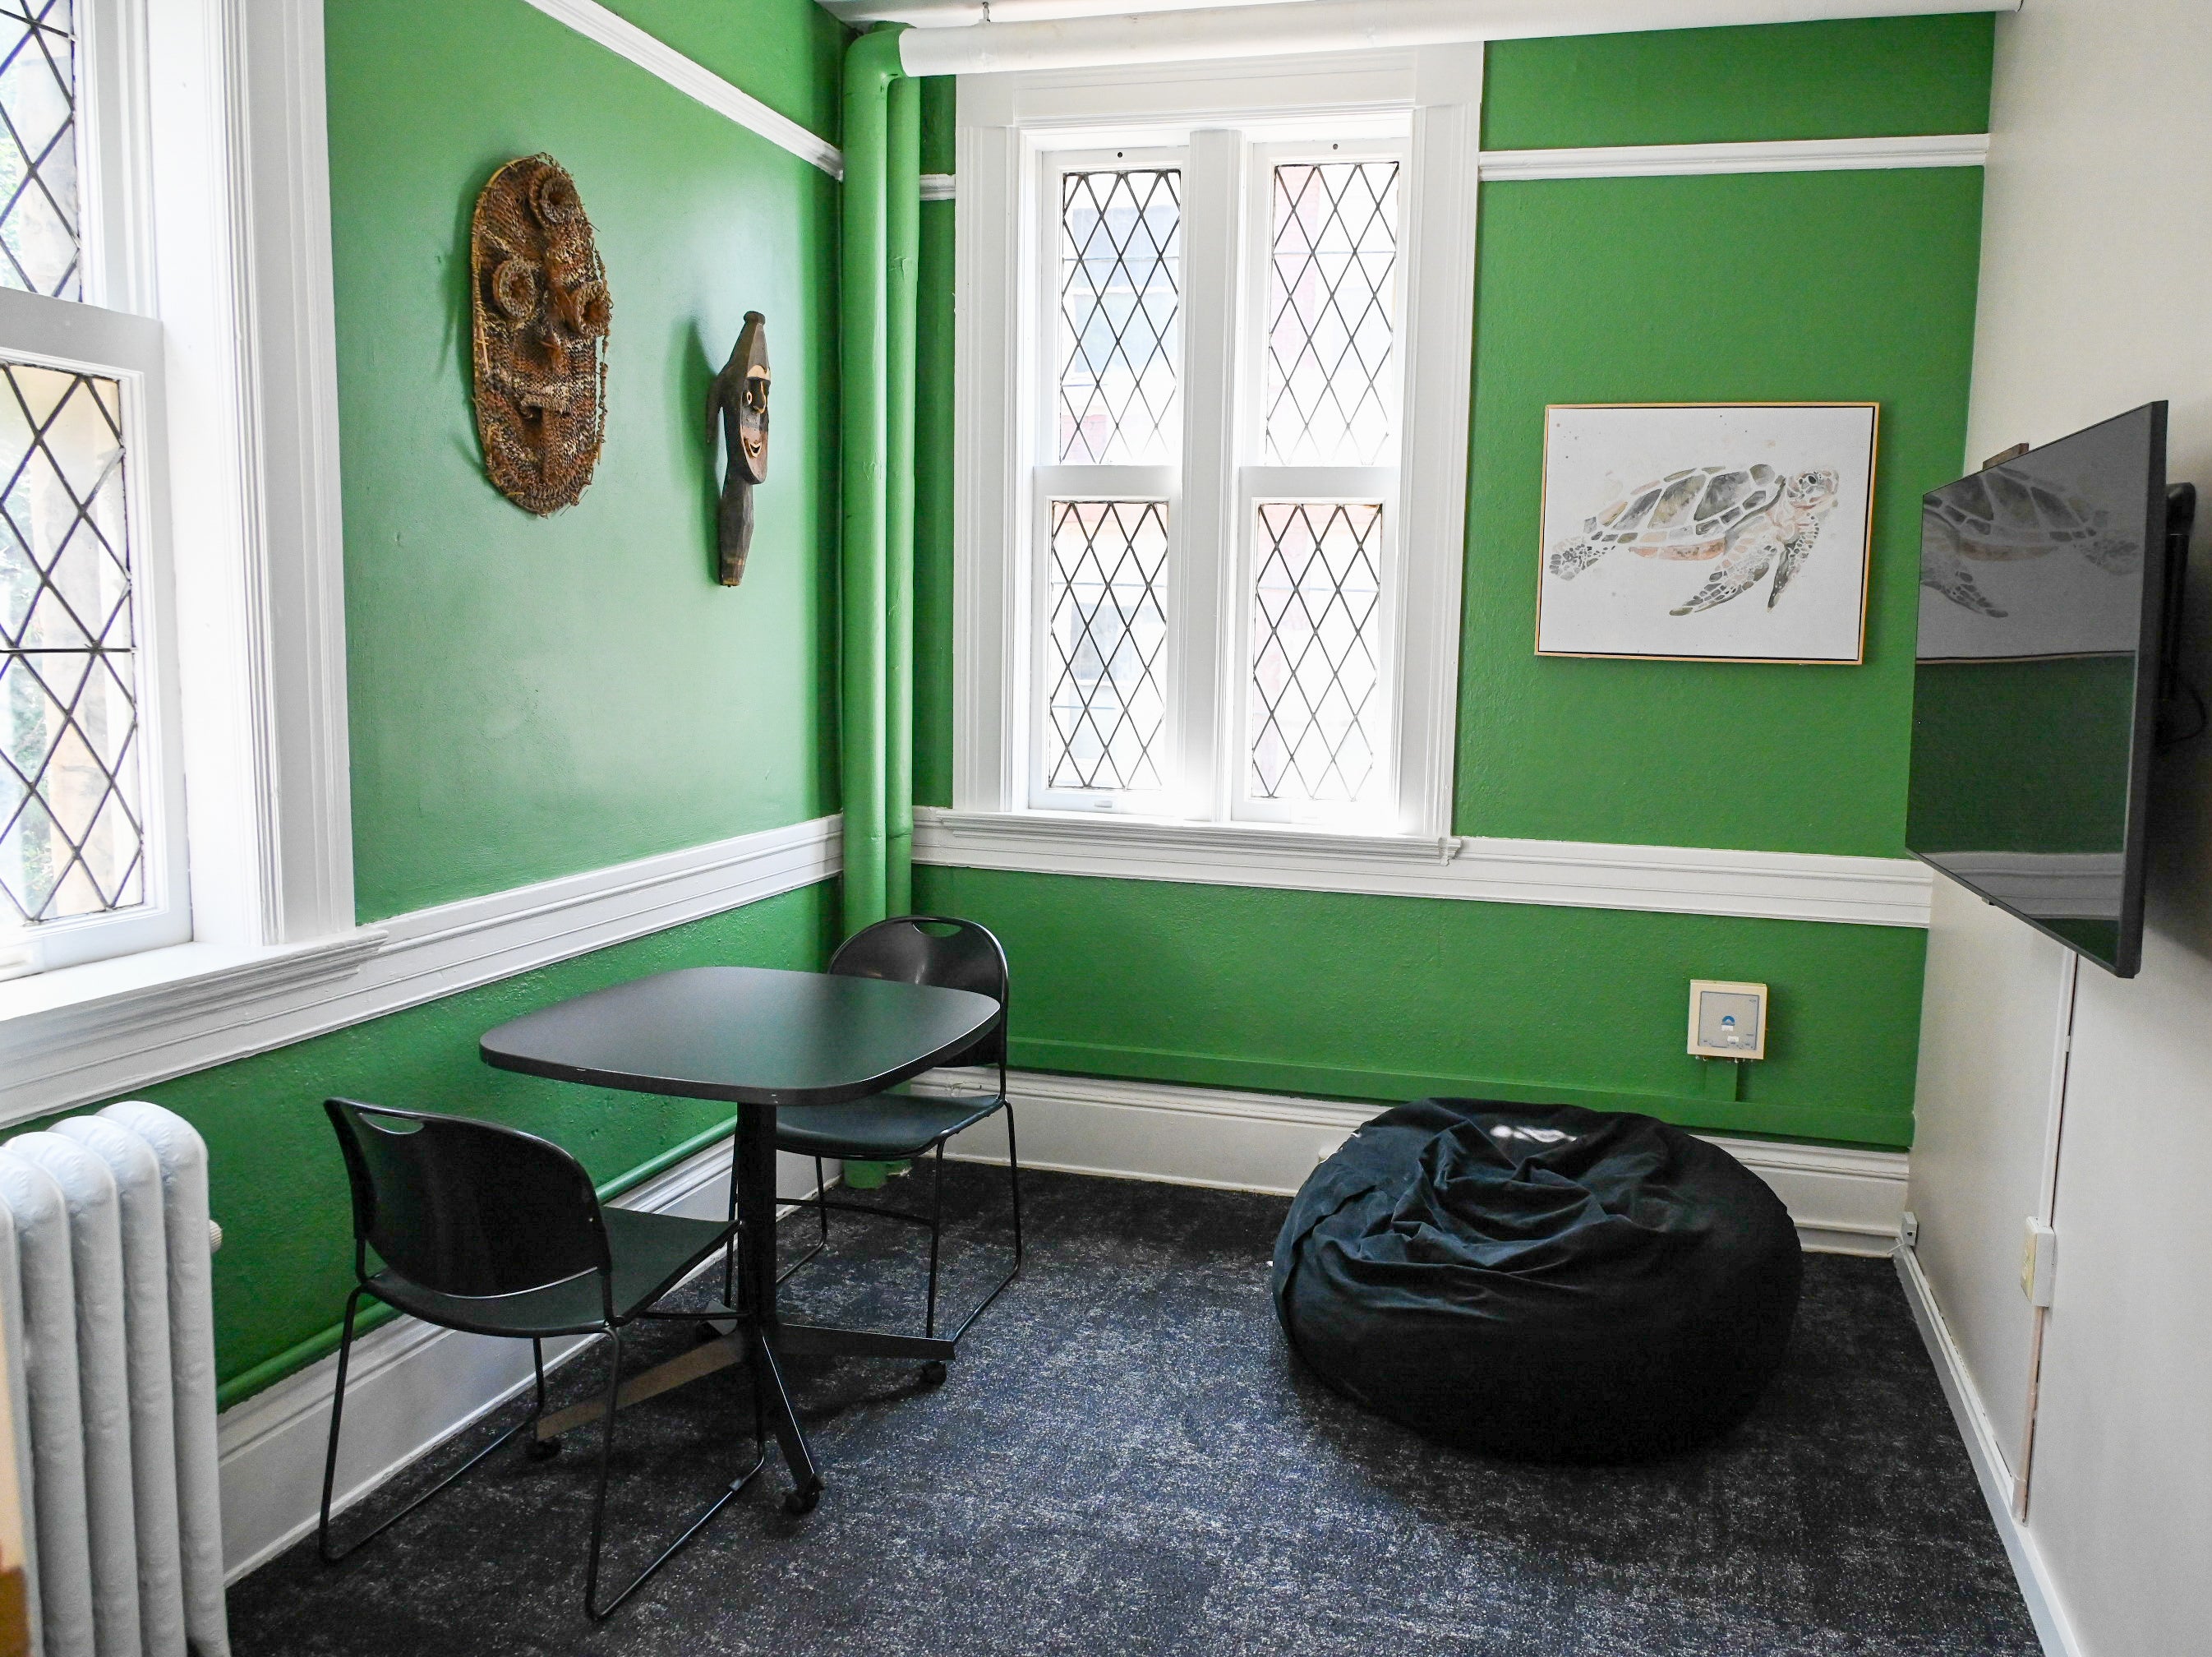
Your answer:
<point x="902" y="181"/>
<point x="871" y="64"/>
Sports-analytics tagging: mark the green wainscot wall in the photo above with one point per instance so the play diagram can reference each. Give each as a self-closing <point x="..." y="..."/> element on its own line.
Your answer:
<point x="278" y="1186"/>
<point x="1806" y="286"/>
<point x="536" y="697"/>
<point x="1391" y="998"/>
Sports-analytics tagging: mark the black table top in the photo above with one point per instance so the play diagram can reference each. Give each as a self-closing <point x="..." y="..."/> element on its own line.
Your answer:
<point x="753" y="1035"/>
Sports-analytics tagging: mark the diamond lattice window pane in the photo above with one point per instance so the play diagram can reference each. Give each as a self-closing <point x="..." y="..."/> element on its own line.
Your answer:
<point x="1331" y="313"/>
<point x="1316" y="652"/>
<point x="1106" y="635"/>
<point x="71" y="785"/>
<point x="1121" y="240"/>
<point x="39" y="206"/>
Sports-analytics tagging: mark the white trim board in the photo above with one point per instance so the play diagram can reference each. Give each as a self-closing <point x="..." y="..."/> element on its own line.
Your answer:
<point x="1673" y="880"/>
<point x="1067" y="41"/>
<point x="1844" y="1201"/>
<point x="2045" y="1606"/>
<point x="1650" y="161"/>
<point x="167" y="1012"/>
<point x="411" y="1386"/>
<point x="940" y="186"/>
<point x="624" y="38"/>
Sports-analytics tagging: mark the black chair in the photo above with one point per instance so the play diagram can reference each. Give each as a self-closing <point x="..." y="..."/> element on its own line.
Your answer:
<point x="900" y="1126"/>
<point x="497" y="1232"/>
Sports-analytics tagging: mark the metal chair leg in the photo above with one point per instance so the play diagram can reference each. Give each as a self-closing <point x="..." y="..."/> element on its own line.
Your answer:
<point x="331" y="1456"/>
<point x="821" y="1191"/>
<point x="936" y="1234"/>
<point x="730" y="1245"/>
<point x="1014" y="1181"/>
<point x="593" y="1608"/>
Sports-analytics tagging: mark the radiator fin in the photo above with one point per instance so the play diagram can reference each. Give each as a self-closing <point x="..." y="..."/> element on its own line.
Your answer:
<point x="106" y="1219"/>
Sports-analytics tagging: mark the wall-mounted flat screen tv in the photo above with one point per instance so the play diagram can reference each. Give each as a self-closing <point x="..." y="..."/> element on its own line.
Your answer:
<point x="2046" y="581"/>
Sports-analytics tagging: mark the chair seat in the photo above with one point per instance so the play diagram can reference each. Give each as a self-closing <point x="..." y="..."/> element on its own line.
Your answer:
<point x="883" y="1127"/>
<point x="651" y="1253"/>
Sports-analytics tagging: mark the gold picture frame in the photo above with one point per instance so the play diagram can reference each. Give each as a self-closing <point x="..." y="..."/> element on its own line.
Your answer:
<point x="1771" y="494"/>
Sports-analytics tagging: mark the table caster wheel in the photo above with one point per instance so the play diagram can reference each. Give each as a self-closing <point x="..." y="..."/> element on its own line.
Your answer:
<point x="933" y="1373"/>
<point x="801" y="1501"/>
<point x="542" y="1449"/>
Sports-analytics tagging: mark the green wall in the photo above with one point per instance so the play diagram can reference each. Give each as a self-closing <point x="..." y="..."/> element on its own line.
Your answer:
<point x="1759" y="287"/>
<point x="1844" y="286"/>
<point x="533" y="697"/>
<point x="1899" y="77"/>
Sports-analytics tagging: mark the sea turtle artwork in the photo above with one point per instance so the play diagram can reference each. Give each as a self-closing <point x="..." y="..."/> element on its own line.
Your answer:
<point x="1751" y="517"/>
<point x="2000" y="517"/>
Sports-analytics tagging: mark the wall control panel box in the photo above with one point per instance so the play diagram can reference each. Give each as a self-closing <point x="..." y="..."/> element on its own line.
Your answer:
<point x="1727" y="1021"/>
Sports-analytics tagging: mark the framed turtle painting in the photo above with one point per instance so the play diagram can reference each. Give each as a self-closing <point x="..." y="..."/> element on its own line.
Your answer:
<point x="1728" y="532"/>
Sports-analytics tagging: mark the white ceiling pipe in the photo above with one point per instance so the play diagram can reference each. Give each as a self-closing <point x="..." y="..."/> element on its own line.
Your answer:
<point x="953" y="14"/>
<point x="1317" y="27"/>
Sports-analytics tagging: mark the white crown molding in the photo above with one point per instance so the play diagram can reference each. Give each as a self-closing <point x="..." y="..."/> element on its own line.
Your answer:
<point x="1671" y="880"/>
<point x="1844" y="1201"/>
<point x="624" y="38"/>
<point x="2053" y="1627"/>
<point x="1109" y="34"/>
<point x="86" y="1033"/>
<point x="1653" y="161"/>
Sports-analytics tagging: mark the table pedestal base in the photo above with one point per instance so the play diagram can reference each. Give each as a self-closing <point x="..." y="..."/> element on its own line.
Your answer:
<point x="755" y="1342"/>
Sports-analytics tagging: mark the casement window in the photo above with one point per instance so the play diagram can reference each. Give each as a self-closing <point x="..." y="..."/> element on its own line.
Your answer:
<point x="92" y="851"/>
<point x="1214" y="384"/>
<point x="169" y="543"/>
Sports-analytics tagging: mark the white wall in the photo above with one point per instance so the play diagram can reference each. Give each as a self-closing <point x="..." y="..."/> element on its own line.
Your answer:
<point x="2096" y="295"/>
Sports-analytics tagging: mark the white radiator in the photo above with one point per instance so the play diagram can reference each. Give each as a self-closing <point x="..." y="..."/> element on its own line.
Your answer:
<point x="104" y="1283"/>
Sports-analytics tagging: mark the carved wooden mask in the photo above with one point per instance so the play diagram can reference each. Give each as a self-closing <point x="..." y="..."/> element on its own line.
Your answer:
<point x="538" y="296"/>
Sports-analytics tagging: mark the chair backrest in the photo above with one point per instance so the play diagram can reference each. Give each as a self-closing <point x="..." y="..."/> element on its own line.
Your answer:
<point x="935" y="949"/>
<point x="468" y="1207"/>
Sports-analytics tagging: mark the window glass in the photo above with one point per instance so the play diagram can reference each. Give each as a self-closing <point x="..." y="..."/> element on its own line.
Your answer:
<point x="1316" y="652"/>
<point x="1331" y="318"/>
<point x="1120" y="289"/>
<point x="39" y="206"/>
<point x="71" y="790"/>
<point x="1105" y="641"/>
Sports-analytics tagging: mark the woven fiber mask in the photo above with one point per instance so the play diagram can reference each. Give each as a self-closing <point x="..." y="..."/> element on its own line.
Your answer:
<point x="538" y="298"/>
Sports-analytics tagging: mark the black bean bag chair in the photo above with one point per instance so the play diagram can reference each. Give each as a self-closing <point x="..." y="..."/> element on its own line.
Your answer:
<point x="1540" y="1281"/>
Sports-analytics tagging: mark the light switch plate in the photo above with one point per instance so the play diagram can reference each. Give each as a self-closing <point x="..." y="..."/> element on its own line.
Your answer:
<point x="1727" y="1021"/>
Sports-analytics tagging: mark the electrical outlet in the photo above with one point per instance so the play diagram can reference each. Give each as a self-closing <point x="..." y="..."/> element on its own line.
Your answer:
<point x="1727" y="1021"/>
<point x="1908" y="1229"/>
<point x="2038" y="1262"/>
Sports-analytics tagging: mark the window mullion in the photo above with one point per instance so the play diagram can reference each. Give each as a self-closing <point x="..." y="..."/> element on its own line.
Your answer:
<point x="1204" y="551"/>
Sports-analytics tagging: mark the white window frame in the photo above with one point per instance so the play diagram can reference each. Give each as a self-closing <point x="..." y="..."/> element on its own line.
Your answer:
<point x="1011" y="125"/>
<point x="225" y="296"/>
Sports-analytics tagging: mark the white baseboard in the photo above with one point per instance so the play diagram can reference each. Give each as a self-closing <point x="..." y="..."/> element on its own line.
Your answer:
<point x="410" y="1386"/>
<point x="1844" y="1202"/>
<point x="1994" y="1474"/>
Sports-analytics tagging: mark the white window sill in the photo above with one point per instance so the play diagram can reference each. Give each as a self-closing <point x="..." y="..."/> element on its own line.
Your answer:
<point x="1673" y="880"/>
<point x="1169" y="833"/>
<point x="53" y="1010"/>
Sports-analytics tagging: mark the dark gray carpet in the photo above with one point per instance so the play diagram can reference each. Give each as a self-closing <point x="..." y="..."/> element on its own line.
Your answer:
<point x="1127" y="1461"/>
